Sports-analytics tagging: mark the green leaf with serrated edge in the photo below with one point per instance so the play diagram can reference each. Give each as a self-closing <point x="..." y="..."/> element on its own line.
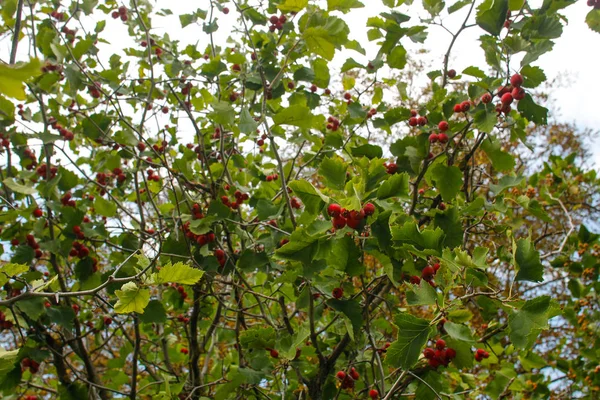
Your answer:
<point x="154" y="313"/>
<point x="448" y="180"/>
<point x="179" y="273"/>
<point x="312" y="198"/>
<point x="131" y="299"/>
<point x="293" y="5"/>
<point x="458" y="5"/>
<point x="506" y="182"/>
<point x="527" y="261"/>
<point x="474" y="71"/>
<point x="410" y="234"/>
<point x="413" y="333"/>
<point x="429" y="386"/>
<point x="299" y="116"/>
<point x="251" y="260"/>
<point x="433" y="7"/>
<point x="491" y="15"/>
<point x="593" y="20"/>
<point x="333" y="169"/>
<point x="351" y="309"/>
<point x="104" y="207"/>
<point x="344" y="6"/>
<point x="247" y="123"/>
<point x="258" y="338"/>
<point x="13" y="77"/>
<point x="7" y="271"/>
<point x="422" y="294"/>
<point x="532" y="76"/>
<point x="397" y="57"/>
<point x="459" y="332"/>
<point x="533" y="112"/>
<point x="16" y="187"/>
<point x="501" y="160"/>
<point x="394" y="186"/>
<point x="527" y="323"/>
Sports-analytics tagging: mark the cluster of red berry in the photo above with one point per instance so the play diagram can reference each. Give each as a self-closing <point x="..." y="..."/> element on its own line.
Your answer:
<point x="152" y="175"/>
<point x="200" y="239"/>
<point x="272" y="177"/>
<point x="31" y="155"/>
<point x="480" y="354"/>
<point x="196" y="211"/>
<point x="31" y="242"/>
<point x="509" y="93"/>
<point x="260" y="142"/>
<point x="183" y="319"/>
<point x="342" y="217"/>
<point x="427" y="274"/>
<point x="371" y="113"/>
<point x="5" y="142"/>
<point x="415" y="119"/>
<point x="160" y="148"/>
<point x="59" y="16"/>
<point x="594" y="3"/>
<point x="120" y="13"/>
<point x="277" y="22"/>
<point x="221" y="258"/>
<point x="79" y="249"/>
<point x="42" y="171"/>
<point x="62" y="131"/>
<point x="333" y="123"/>
<point x="441" y="137"/>
<point x="4" y="324"/>
<point x="33" y="365"/>
<point x="440" y="355"/>
<point x="239" y="199"/>
<point x="295" y="203"/>
<point x="49" y="67"/>
<point x="67" y="201"/>
<point x="180" y="289"/>
<point x="462" y="107"/>
<point x="94" y="90"/>
<point x="348" y="379"/>
<point x="69" y="33"/>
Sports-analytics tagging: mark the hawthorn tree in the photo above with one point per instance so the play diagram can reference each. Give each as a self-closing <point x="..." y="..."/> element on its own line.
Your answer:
<point x="247" y="221"/>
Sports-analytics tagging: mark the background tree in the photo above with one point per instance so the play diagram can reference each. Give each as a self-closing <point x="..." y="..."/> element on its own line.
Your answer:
<point x="320" y="234"/>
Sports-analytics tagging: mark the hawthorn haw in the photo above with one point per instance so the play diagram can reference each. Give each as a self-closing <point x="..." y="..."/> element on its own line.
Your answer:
<point x="337" y="293"/>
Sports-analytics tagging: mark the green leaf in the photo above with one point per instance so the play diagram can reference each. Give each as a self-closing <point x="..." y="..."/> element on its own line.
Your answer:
<point x="474" y="71"/>
<point x="13" y="77"/>
<point x="532" y="76"/>
<point x="433" y="7"/>
<point x="397" y="57"/>
<point x="13" y="185"/>
<point x="367" y="150"/>
<point x="533" y="112"/>
<point x="251" y="260"/>
<point x="350" y="63"/>
<point x="131" y="299"/>
<point x="223" y="113"/>
<point x="179" y="273"/>
<point x="410" y="234"/>
<point x="458" y="5"/>
<point x="7" y="360"/>
<point x="506" y="182"/>
<point x="501" y="160"/>
<point x="321" y="75"/>
<point x="395" y="186"/>
<point x="593" y="20"/>
<point x="542" y="27"/>
<point x="485" y="120"/>
<point x="412" y="336"/>
<point x="62" y="315"/>
<point x="333" y="169"/>
<point x="351" y="309"/>
<point x="247" y="123"/>
<point x="421" y="295"/>
<point x="258" y="337"/>
<point x="343" y="5"/>
<point x="293" y="5"/>
<point x="318" y="42"/>
<point x="429" y="386"/>
<point x="527" y="261"/>
<point x="7" y="271"/>
<point x="535" y="50"/>
<point x="299" y="116"/>
<point x="491" y="15"/>
<point x="104" y="207"/>
<point x="312" y="198"/>
<point x="154" y="313"/>
<point x="526" y="324"/>
<point x="459" y="332"/>
<point x="448" y="180"/>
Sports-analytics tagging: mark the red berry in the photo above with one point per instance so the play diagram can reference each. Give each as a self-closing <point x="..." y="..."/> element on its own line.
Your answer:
<point x="518" y="93"/>
<point x="450" y="353"/>
<point x="457" y="108"/>
<point x="184" y="350"/>
<point x="429" y="353"/>
<point x="516" y="80"/>
<point x="465" y="106"/>
<point x="433" y="138"/>
<point x="369" y="209"/>
<point x="443" y="126"/>
<point x="274" y="19"/>
<point x="354" y="374"/>
<point x="440" y="344"/>
<point x="442" y="137"/>
<point x="313" y="88"/>
<point x="421" y="121"/>
<point x="341" y="375"/>
<point x="415" y="280"/>
<point x="334" y="210"/>
<point x="413" y="113"/>
<point x="337" y="293"/>
<point x="14" y="242"/>
<point x="37" y="213"/>
<point x="374" y="394"/>
<point x="428" y="273"/>
<point x="506" y="98"/>
<point x="291" y="85"/>
<point x="347" y="96"/>
<point x="225" y="10"/>
<point x="412" y="121"/>
<point x="274" y="353"/>
<point x="486" y="98"/>
<point x="219" y="254"/>
<point x="451" y="73"/>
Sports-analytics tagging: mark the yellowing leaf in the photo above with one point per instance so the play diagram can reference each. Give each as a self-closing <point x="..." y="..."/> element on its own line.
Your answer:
<point x="131" y="299"/>
<point x="178" y="273"/>
<point x="13" y="77"/>
<point x="9" y="270"/>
